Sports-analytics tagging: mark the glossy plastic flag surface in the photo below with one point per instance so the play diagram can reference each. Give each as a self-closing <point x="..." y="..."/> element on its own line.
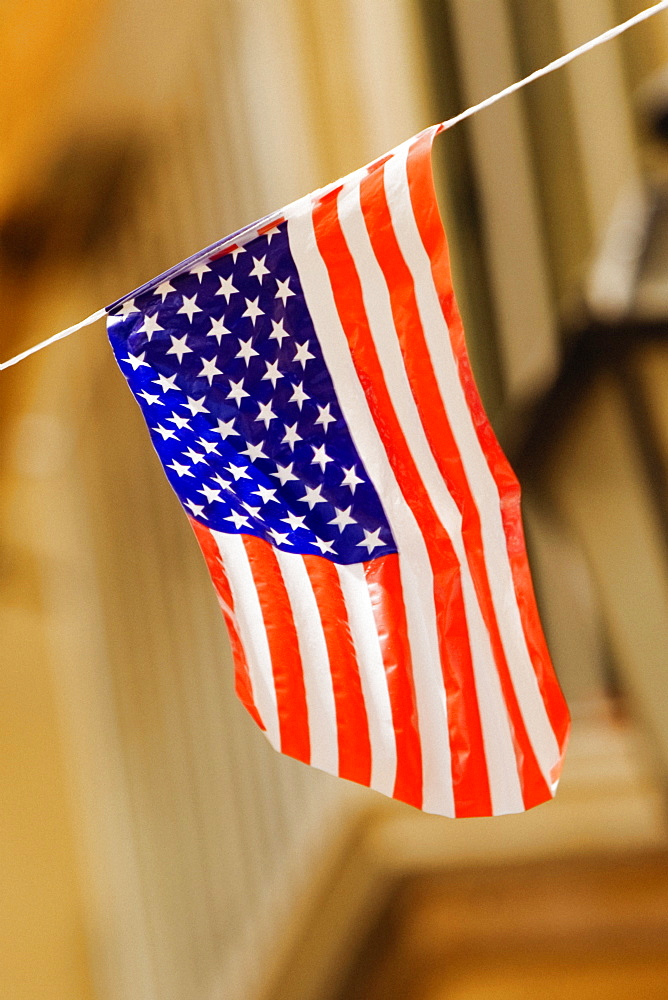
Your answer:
<point x="306" y="385"/>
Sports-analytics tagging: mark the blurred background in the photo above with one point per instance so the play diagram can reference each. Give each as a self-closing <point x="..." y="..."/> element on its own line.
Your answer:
<point x="152" y="844"/>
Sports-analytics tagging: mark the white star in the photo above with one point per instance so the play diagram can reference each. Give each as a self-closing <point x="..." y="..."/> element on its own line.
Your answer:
<point x="209" y="446"/>
<point x="150" y="326"/>
<point x="195" y="456"/>
<point x="298" y="396"/>
<point x="371" y="540"/>
<point x="324" y="546"/>
<point x="218" y="329"/>
<point x="235" y="253"/>
<point x="271" y="233"/>
<point x="181" y="470"/>
<point x="284" y="473"/>
<point x="343" y="518"/>
<point x="240" y="520"/>
<point x="279" y="538"/>
<point x="350" y="478"/>
<point x="266" y="414"/>
<point x="137" y="361"/>
<point x="196" y="508"/>
<point x="246" y="350"/>
<point x="291" y="436"/>
<point x="200" y="270"/>
<point x="189" y="307"/>
<point x="253" y="511"/>
<point x="259" y="270"/>
<point x="163" y="289"/>
<point x="265" y="494"/>
<point x="312" y="496"/>
<point x="238" y="471"/>
<point x="166" y="383"/>
<point x="283" y="292"/>
<point x="226" y="288"/>
<point x="303" y="354"/>
<point x="325" y="417"/>
<point x="224" y="428"/>
<point x="209" y="369"/>
<point x="272" y="373"/>
<point x="254" y="451"/>
<point x="150" y="398"/>
<point x="320" y="457"/>
<point x="179" y="347"/>
<point x="180" y="422"/>
<point x="223" y="483"/>
<point x="195" y="405"/>
<point x="237" y="392"/>
<point x="294" y="520"/>
<point x="166" y="432"/>
<point x="278" y="332"/>
<point x="253" y="310"/>
<point x="211" y="495"/>
<point x="127" y="309"/>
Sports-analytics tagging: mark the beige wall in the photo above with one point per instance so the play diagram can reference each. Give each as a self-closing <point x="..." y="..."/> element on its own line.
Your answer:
<point x="44" y="930"/>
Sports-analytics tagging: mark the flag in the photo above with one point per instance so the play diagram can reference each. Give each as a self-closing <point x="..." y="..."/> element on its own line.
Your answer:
<point x="307" y="388"/>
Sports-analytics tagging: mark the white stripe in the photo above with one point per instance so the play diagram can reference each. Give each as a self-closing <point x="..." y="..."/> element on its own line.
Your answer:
<point x="323" y="731"/>
<point x="372" y="676"/>
<point x="504" y="781"/>
<point x="483" y="485"/>
<point x="251" y="630"/>
<point x="416" y="574"/>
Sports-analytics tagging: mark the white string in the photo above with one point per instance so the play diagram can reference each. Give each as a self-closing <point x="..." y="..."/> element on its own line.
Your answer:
<point x="557" y="63"/>
<point x="550" y="68"/>
<point x="52" y="340"/>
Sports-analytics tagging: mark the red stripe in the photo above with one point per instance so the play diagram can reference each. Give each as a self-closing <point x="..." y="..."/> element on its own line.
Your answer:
<point x="283" y="648"/>
<point x="383" y="578"/>
<point x="242" y="681"/>
<point x="438" y="431"/>
<point x="469" y="769"/>
<point x="351" y="716"/>
<point x="432" y="233"/>
<point x="271" y="225"/>
<point x="224" y="253"/>
<point x="235" y="246"/>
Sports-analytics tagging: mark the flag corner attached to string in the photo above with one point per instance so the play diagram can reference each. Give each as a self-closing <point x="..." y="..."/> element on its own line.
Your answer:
<point x="306" y="385"/>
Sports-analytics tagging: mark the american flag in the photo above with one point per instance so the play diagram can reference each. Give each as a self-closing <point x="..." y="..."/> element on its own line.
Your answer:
<point x="307" y="388"/>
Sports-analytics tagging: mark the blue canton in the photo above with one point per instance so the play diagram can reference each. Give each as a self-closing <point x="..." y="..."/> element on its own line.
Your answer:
<point x="225" y="363"/>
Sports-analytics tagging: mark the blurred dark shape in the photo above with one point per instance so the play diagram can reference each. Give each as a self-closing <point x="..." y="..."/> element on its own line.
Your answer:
<point x="625" y="310"/>
<point x="82" y="202"/>
<point x="660" y="124"/>
<point x="653" y="104"/>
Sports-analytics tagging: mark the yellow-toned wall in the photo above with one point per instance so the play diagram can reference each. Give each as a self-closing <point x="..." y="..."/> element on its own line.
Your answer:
<point x="43" y="946"/>
<point x="43" y="950"/>
<point x="40" y="43"/>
